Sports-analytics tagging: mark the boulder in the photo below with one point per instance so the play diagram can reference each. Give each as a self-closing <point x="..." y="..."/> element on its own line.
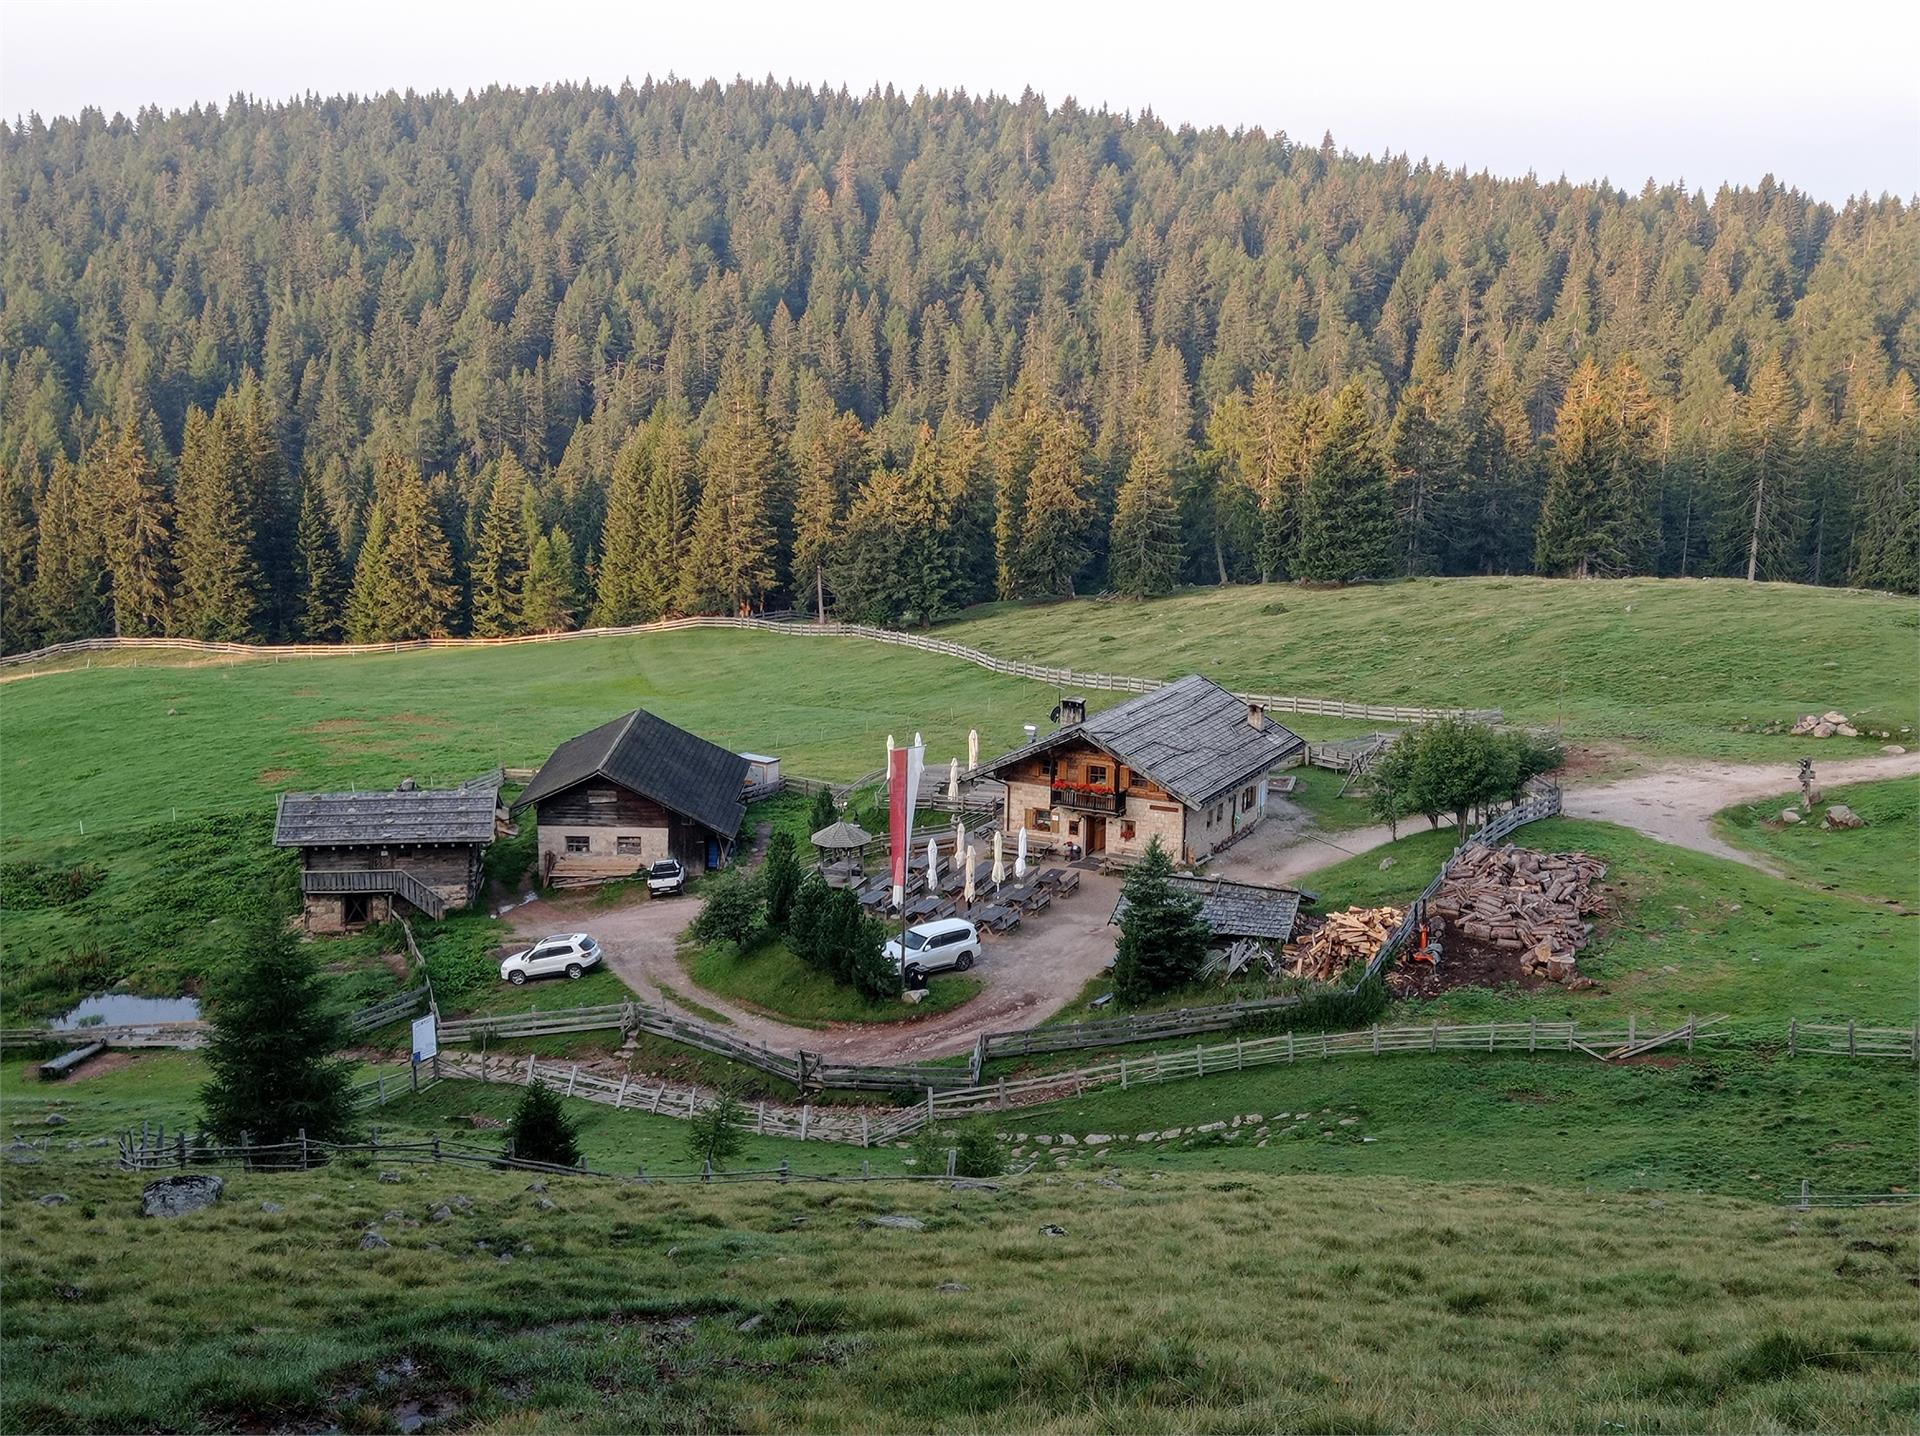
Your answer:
<point x="54" y="1199"/>
<point x="1845" y="730"/>
<point x="950" y="1287"/>
<point x="1822" y="729"/>
<point x="897" y="1222"/>
<point x="1805" y="725"/>
<point x="270" y="1208"/>
<point x="54" y="1119"/>
<point x="1841" y="816"/>
<point x="1050" y="1230"/>
<point x="1386" y="863"/>
<point x="1789" y="815"/>
<point x="1833" y="716"/>
<point x="1893" y="750"/>
<point x="176" y="1196"/>
<point x="394" y="1177"/>
<point x="372" y="1241"/>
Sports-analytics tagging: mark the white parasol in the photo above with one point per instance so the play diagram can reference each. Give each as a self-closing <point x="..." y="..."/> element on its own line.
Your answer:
<point x="999" y="858"/>
<point x="967" y="859"/>
<point x="1020" y="858"/>
<point x="953" y="780"/>
<point x="973" y="749"/>
<point x="933" y="865"/>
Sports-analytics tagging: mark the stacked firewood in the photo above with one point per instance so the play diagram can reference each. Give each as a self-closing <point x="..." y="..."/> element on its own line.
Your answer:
<point x="1521" y="901"/>
<point x="1343" y="939"/>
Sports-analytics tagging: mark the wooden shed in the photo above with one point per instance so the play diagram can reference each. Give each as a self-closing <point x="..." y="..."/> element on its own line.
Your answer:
<point x="630" y="793"/>
<point x="366" y="856"/>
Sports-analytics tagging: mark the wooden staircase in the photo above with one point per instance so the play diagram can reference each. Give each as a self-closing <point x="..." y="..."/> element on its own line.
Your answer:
<point x="390" y="882"/>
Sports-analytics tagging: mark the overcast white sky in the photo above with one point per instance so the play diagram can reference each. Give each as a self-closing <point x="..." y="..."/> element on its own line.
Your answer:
<point x="1823" y="95"/>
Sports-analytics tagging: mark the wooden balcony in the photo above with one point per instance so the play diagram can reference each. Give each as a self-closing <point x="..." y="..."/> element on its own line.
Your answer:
<point x="1078" y="802"/>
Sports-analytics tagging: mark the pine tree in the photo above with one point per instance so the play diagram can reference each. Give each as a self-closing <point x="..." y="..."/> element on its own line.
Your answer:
<point x="621" y="589"/>
<point x="19" y="542"/>
<point x="666" y="512"/>
<point x="1579" y="531"/>
<point x="1424" y="454"/>
<point x="1346" y="513"/>
<point x="319" y="582"/>
<point x="1053" y="526"/>
<point x="501" y="555"/>
<point x="1887" y="554"/>
<point x="139" y="541"/>
<point x="367" y="601"/>
<point x="220" y="581"/>
<point x="730" y="561"/>
<point x="1763" y="480"/>
<point x="69" y="565"/>
<point x="931" y="584"/>
<point x="1143" y="559"/>
<point x="1163" y="939"/>
<point x="417" y="594"/>
<point x="553" y="585"/>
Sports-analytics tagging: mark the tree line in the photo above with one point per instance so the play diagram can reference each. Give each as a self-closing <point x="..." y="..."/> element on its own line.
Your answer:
<point x="419" y="364"/>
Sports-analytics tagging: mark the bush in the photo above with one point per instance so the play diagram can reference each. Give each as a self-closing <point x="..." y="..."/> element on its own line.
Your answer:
<point x="541" y="1130"/>
<point x="977" y="1149"/>
<point x="1162" y="938"/>
<point x="30" y="883"/>
<point x="1456" y="766"/>
<point x="780" y="879"/>
<point x="823" y="813"/>
<point x="734" y="910"/>
<point x="716" y="1134"/>
<point x="805" y="924"/>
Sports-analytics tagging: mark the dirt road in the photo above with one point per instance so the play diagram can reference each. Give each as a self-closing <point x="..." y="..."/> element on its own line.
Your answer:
<point x="1027" y="975"/>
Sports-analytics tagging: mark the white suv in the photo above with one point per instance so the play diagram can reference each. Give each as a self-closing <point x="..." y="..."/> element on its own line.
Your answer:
<point x="569" y="952"/>
<point x="950" y="944"/>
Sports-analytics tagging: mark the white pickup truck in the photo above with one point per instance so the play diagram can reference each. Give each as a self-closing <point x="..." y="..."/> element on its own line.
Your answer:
<point x="666" y="878"/>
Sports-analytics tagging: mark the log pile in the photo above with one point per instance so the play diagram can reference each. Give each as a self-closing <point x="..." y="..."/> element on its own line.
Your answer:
<point x="1517" y="900"/>
<point x="1343" y="939"/>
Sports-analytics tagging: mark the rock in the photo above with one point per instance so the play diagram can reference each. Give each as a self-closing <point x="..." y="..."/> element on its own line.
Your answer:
<point x="1805" y="725"/>
<point x="1839" y="815"/>
<point x="972" y="1184"/>
<point x="372" y="1241"/>
<point x="1893" y="750"/>
<point x="1789" y="815"/>
<point x="270" y="1208"/>
<point x="914" y="995"/>
<point x="536" y="1186"/>
<point x="439" y="1212"/>
<point x="1581" y="984"/>
<point x="1822" y="729"/>
<point x="176" y="1196"/>
<point x="1098" y="1139"/>
<point x="1050" y="1230"/>
<point x="1845" y="730"/>
<point x="950" y="1287"/>
<point x="897" y="1222"/>
<point x="545" y="1204"/>
<point x="1068" y="1140"/>
<point x="1043" y="1140"/>
<point x="1833" y="716"/>
<point x="1386" y="863"/>
<point x="1349" y="1121"/>
<point x="752" y="1323"/>
<point x="54" y="1199"/>
<point x="391" y="1177"/>
<point x="54" y="1119"/>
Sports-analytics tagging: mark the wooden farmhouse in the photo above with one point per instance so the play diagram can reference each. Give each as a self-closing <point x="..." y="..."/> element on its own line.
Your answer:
<point x="630" y="793"/>
<point x="368" y="857"/>
<point x="1186" y="763"/>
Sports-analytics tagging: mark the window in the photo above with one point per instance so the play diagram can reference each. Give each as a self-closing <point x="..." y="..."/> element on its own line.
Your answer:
<point x="1040" y="820"/>
<point x="627" y="847"/>
<point x="578" y="843"/>
<point x="1246" y="800"/>
<point x="1096" y="772"/>
<point x="353" y="909"/>
<point x="1126" y="830"/>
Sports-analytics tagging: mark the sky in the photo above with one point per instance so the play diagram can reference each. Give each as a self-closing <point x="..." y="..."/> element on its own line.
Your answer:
<point x="1824" y="97"/>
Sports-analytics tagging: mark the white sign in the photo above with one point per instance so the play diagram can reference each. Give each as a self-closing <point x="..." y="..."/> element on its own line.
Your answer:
<point x="426" y="1039"/>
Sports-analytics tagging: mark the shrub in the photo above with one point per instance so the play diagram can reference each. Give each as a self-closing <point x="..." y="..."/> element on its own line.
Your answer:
<point x="823" y="814"/>
<point x="716" y="1134"/>
<point x="780" y="878"/>
<point x="1162" y="938"/>
<point x="977" y="1149"/>
<point x="1453" y="765"/>
<point x="734" y="909"/>
<point x="30" y="883"/>
<point x="541" y="1130"/>
<point x="806" y="922"/>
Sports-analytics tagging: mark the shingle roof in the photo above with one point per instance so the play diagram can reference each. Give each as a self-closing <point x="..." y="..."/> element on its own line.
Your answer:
<point x="649" y="756"/>
<point x="1233" y="909"/>
<point x="1191" y="737"/>
<point x="421" y="815"/>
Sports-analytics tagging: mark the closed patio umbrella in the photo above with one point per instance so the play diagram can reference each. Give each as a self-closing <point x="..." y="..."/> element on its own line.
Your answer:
<point x="967" y="860"/>
<point x="973" y="749"/>
<point x="1020" y="858"/>
<point x="933" y="865"/>
<point x="999" y="858"/>
<point x="953" y="780"/>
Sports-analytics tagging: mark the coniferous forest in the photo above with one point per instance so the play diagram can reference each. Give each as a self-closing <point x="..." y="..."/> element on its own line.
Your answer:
<point x="521" y="361"/>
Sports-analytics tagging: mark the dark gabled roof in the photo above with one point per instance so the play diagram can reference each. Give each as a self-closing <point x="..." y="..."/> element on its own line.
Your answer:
<point x="651" y="757"/>
<point x="1191" y="737"/>
<point x="1232" y="909"/>
<point x="419" y="815"/>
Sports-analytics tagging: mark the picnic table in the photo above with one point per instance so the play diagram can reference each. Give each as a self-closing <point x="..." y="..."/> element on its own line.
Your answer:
<point x="999" y="919"/>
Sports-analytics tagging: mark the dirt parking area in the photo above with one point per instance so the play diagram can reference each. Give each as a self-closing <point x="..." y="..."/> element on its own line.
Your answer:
<point x="1026" y="976"/>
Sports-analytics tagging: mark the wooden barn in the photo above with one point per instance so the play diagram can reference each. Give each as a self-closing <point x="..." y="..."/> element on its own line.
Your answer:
<point x="1186" y="763"/>
<point x="364" y="857"/>
<point x="630" y="793"/>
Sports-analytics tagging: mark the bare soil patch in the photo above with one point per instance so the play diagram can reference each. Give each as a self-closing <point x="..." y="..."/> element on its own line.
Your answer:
<point x="273" y="777"/>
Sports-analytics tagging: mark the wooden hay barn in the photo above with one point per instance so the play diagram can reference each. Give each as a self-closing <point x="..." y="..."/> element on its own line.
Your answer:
<point x="630" y="793"/>
<point x="366" y="857"/>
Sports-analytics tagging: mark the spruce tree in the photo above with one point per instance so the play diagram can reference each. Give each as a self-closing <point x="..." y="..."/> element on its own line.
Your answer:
<point x="1887" y="446"/>
<point x="220" y="580"/>
<point x="139" y="541"/>
<point x="1053" y="526"/>
<point x="366" y="602"/>
<point x="1346" y="517"/>
<point x="275" y="1033"/>
<point x="730" y="560"/>
<point x="621" y="593"/>
<point x="1764" y="480"/>
<point x="417" y="597"/>
<point x="319" y="578"/>
<point x="1144" y="555"/>
<point x="1579" y="532"/>
<point x="501" y="555"/>
<point x="666" y="512"/>
<point x="1163" y="940"/>
<point x="553" y="586"/>
<point x="1424" y="454"/>
<point x="19" y="542"/>
<point x="69" y="562"/>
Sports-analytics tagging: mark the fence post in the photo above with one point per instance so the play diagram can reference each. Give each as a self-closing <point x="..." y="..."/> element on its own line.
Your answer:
<point x="1533" y="1034"/>
<point x="413" y="1073"/>
<point x="1003" y="1091"/>
<point x="806" y="1112"/>
<point x="1289" y="1044"/>
<point x="621" y="1095"/>
<point x="529" y="1068"/>
<point x="1689" y="1032"/>
<point x="1376" y="1039"/>
<point x="1793" y="1031"/>
<point x="785" y="1171"/>
<point x="929" y="1106"/>
<point x="246" y="1149"/>
<point x="1632" y="1031"/>
<point x="1199" y="1059"/>
<point x="382" y="1081"/>
<point x="760" y="1121"/>
<point x="572" y="1077"/>
<point x="1851" y="1050"/>
<point x="1123" y="1081"/>
<point x="180" y="1147"/>
<point x="865" y="1133"/>
<point x="436" y="1146"/>
<point x="866" y="1169"/>
<point x="953" y="1159"/>
<point x="706" y="1170"/>
<point x="1239" y="1056"/>
<point x="1323" y="1047"/>
<point x="1803" y="1194"/>
<point x="303" y="1148"/>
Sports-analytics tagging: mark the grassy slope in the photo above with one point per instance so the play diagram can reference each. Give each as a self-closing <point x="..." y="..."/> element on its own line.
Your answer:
<point x="771" y="979"/>
<point x="1269" y="1303"/>
<point x="1877" y="861"/>
<point x="1664" y="666"/>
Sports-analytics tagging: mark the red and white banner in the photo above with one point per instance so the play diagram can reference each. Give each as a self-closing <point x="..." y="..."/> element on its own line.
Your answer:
<point x="903" y="792"/>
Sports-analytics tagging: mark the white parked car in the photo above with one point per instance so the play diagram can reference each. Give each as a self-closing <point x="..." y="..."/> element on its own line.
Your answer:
<point x="569" y="952"/>
<point x="950" y="945"/>
<point x="666" y="878"/>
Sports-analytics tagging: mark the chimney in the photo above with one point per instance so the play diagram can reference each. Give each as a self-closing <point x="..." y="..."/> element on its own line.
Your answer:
<point x="1033" y="731"/>
<point x="1256" y="714"/>
<point x="1072" y="711"/>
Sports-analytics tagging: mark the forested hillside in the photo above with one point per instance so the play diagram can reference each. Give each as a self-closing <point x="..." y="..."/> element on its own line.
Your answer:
<point x="407" y="365"/>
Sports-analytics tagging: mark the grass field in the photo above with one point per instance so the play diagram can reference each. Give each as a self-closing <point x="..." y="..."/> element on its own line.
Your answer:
<point x="769" y="978"/>
<point x="1417" y="1306"/>
<point x="1878" y="861"/>
<point x="1660" y="666"/>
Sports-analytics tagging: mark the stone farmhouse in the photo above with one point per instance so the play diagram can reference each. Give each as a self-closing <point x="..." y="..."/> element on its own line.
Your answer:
<point x="633" y="792"/>
<point x="1186" y="763"/>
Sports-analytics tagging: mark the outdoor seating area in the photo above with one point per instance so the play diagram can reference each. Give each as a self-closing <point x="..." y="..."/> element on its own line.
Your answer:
<point x="996" y="908"/>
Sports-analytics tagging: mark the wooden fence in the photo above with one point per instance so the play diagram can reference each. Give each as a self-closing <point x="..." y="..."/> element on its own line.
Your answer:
<point x="1061" y="677"/>
<point x="405" y="1004"/>
<point x="1849" y="1039"/>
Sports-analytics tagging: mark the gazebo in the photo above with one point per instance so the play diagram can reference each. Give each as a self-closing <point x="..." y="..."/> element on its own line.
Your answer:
<point x="841" y="838"/>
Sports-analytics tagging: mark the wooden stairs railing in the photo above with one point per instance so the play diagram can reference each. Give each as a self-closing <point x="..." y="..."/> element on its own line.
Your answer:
<point x="393" y="882"/>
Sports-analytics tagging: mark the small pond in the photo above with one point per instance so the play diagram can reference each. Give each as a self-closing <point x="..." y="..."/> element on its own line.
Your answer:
<point x="120" y="1009"/>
